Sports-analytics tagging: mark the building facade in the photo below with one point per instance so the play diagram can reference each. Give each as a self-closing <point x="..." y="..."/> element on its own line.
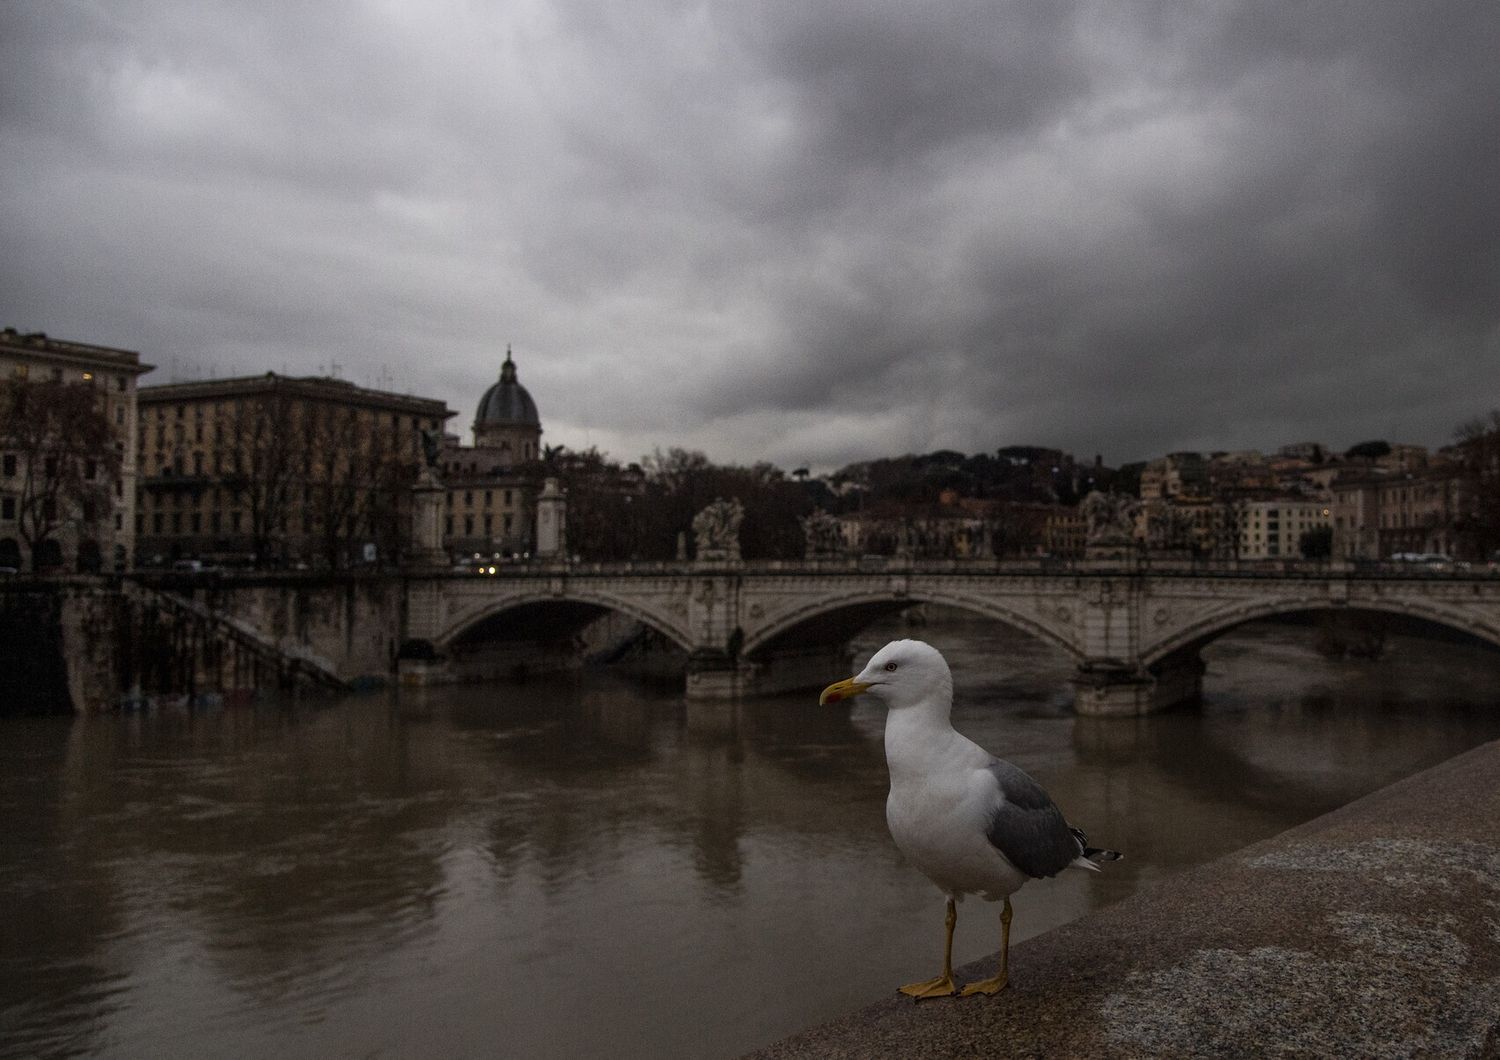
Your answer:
<point x="1174" y="475"/>
<point x="274" y="470"/>
<point x="492" y="485"/>
<point x="1273" y="529"/>
<point x="1383" y="511"/>
<point x="67" y="453"/>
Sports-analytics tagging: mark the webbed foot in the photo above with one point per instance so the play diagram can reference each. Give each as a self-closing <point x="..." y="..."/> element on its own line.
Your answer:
<point x="941" y="986"/>
<point x="992" y="985"/>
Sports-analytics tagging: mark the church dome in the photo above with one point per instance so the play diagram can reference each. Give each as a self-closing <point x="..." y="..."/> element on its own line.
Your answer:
<point x="506" y="403"/>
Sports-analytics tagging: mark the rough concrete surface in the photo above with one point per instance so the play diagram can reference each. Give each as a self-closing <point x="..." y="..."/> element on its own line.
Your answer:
<point x="1373" y="931"/>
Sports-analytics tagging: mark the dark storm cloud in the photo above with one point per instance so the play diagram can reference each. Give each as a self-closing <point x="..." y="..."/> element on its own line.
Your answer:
<point x="804" y="233"/>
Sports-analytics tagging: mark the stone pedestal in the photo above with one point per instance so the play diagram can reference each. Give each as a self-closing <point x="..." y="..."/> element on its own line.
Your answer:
<point x="1110" y="691"/>
<point x="715" y="675"/>
<point x="427" y="522"/>
<point x="1121" y="556"/>
<point x="1100" y="692"/>
<point x="551" y="522"/>
<point x="421" y="672"/>
<point x="798" y="669"/>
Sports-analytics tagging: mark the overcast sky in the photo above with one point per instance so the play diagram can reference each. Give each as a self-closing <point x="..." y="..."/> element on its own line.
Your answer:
<point x="802" y="232"/>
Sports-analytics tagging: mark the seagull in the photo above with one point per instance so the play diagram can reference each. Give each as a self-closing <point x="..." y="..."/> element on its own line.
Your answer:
<point x="973" y="824"/>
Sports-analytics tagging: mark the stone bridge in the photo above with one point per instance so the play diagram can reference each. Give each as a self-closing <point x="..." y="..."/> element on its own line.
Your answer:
<point x="1134" y="629"/>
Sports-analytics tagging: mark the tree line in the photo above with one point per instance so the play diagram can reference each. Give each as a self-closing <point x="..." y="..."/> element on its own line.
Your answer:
<point x="323" y="473"/>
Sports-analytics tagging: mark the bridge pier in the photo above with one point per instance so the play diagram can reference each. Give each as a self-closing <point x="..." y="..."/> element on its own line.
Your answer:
<point x="715" y="674"/>
<point x="1110" y="690"/>
<point x="797" y="669"/>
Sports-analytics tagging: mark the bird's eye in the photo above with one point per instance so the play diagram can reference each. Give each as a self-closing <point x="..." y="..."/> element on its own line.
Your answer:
<point x="890" y="666"/>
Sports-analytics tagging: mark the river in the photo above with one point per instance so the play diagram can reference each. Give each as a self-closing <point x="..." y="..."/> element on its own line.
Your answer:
<point x="587" y="865"/>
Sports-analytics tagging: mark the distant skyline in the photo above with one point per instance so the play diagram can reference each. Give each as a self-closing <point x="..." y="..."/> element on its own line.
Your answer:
<point x="807" y="234"/>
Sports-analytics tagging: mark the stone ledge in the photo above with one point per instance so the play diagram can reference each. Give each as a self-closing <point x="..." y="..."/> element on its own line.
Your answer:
<point x="1371" y="931"/>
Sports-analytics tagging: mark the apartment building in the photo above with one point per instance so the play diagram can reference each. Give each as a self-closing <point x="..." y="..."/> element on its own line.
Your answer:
<point x="67" y="453"/>
<point x="279" y="470"/>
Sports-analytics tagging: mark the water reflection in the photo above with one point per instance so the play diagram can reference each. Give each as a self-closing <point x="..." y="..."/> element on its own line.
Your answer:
<point x="587" y="864"/>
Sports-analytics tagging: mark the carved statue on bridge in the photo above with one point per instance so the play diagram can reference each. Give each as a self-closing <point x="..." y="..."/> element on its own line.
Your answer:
<point x="1110" y="518"/>
<point x="823" y="534"/>
<point x="716" y="530"/>
<point x="1168" y="527"/>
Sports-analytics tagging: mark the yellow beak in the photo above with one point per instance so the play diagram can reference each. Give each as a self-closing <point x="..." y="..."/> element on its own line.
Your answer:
<point x="841" y="690"/>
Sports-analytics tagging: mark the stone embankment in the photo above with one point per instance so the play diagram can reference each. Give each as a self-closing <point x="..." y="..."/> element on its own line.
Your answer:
<point x="1373" y="931"/>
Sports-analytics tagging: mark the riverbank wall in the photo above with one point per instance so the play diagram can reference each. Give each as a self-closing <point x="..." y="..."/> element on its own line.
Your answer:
<point x="1373" y="930"/>
<point x="87" y="643"/>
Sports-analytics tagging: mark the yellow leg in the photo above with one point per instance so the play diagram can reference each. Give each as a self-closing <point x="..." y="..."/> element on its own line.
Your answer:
<point x="997" y="983"/>
<point x="943" y="985"/>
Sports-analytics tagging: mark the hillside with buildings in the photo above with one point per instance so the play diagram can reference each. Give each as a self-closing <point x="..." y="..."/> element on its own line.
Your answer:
<point x="101" y="474"/>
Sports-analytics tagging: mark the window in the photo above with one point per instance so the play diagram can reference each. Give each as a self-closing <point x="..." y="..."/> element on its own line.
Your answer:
<point x="197" y="523"/>
<point x="234" y="521"/>
<point x="156" y="523"/>
<point x="7" y="507"/>
<point x="10" y="465"/>
<point x="489" y="495"/>
<point x="468" y="526"/>
<point x="119" y="415"/>
<point x="448" y="526"/>
<point x="176" y="522"/>
<point x="507" y="498"/>
<point x="120" y="383"/>
<point x="214" y="522"/>
<point x="489" y="524"/>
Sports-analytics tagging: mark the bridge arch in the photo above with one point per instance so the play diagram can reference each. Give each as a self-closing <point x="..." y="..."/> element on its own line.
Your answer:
<point x="667" y="627"/>
<point x="875" y="603"/>
<point x="1210" y="627"/>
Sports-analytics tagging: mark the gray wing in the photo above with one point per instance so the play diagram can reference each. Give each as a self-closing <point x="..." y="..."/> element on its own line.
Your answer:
<point x="1027" y="827"/>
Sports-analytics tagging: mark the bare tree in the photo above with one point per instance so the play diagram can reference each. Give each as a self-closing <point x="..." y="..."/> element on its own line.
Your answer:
<point x="1478" y="503"/>
<point x="267" y="459"/>
<point x="67" y="458"/>
<point x="337" y="467"/>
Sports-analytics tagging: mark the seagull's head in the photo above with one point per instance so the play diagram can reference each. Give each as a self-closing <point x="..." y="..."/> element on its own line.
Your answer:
<point x="901" y="674"/>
